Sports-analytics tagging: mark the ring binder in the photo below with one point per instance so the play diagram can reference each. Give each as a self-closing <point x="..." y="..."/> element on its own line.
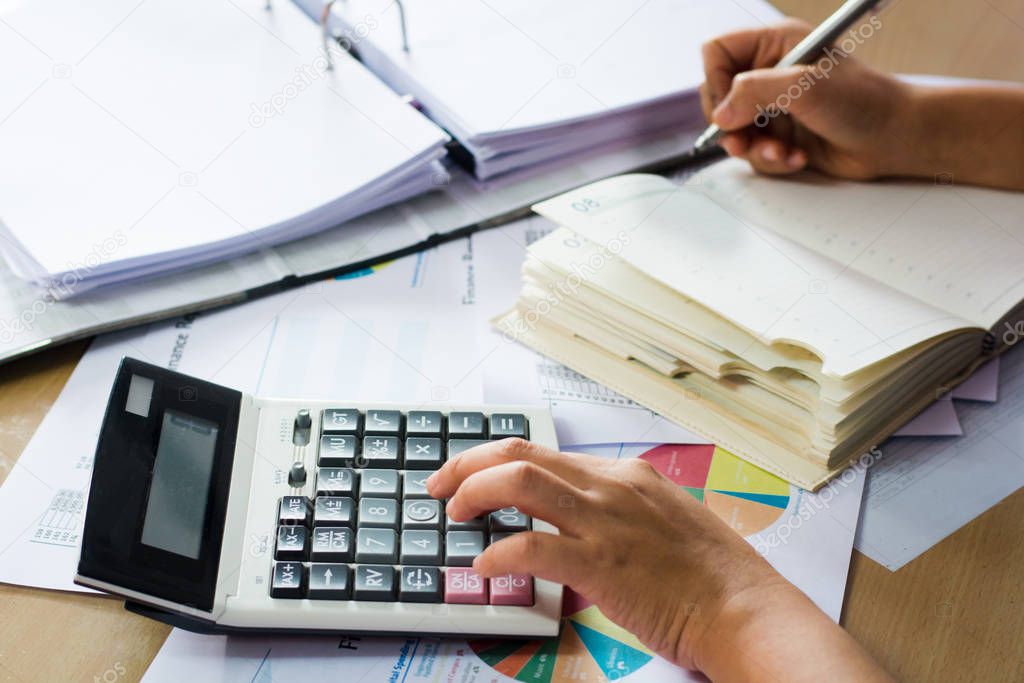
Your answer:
<point x="326" y="31"/>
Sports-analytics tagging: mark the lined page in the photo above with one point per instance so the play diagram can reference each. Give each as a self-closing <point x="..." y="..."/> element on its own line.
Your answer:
<point x="958" y="248"/>
<point x="777" y="290"/>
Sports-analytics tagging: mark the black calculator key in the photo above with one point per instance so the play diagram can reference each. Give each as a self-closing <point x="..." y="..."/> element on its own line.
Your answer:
<point x="425" y="423"/>
<point x="335" y="481"/>
<point x="420" y="584"/>
<point x="342" y="421"/>
<point x="498" y="535"/>
<point x="380" y="483"/>
<point x="377" y="546"/>
<point x="334" y="511"/>
<point x="423" y="453"/>
<point x="467" y="426"/>
<point x="374" y="582"/>
<point x="381" y="451"/>
<point x="329" y="581"/>
<point x="331" y="544"/>
<point x="291" y="543"/>
<point x="472" y="524"/>
<point x="504" y="425"/>
<point x="414" y="485"/>
<point x="287" y="580"/>
<point x="378" y="513"/>
<point x="293" y="510"/>
<point x="386" y="422"/>
<point x="509" y="519"/>
<point x="456" y="446"/>
<point x="421" y="546"/>
<point x="337" y="450"/>
<point x="462" y="547"/>
<point x="422" y="514"/>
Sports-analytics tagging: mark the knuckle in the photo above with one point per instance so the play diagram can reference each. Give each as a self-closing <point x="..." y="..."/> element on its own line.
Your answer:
<point x="514" y="448"/>
<point x="525" y="475"/>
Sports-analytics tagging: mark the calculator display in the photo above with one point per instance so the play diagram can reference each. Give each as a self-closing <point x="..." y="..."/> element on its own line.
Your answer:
<point x="178" y="492"/>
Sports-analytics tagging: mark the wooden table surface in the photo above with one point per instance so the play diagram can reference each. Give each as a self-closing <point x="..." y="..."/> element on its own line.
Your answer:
<point x="954" y="614"/>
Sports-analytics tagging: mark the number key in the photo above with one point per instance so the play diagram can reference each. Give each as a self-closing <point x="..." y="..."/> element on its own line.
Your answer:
<point x="509" y="519"/>
<point x="415" y="485"/>
<point x="462" y="547"/>
<point x="379" y="483"/>
<point x="378" y="546"/>
<point x="378" y="513"/>
<point x="421" y="514"/>
<point x="421" y="547"/>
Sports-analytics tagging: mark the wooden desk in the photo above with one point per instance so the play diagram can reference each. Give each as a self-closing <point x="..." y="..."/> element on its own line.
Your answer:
<point x="954" y="614"/>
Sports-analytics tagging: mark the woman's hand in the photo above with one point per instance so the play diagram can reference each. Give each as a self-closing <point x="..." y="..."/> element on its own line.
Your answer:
<point x="836" y="115"/>
<point x="653" y="559"/>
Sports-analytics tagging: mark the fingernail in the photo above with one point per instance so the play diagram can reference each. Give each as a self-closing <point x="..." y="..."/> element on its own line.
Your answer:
<point x="431" y="482"/>
<point x="795" y="158"/>
<point x="723" y="115"/>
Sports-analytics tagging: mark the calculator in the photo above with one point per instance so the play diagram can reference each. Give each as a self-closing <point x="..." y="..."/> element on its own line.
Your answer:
<point x="220" y="512"/>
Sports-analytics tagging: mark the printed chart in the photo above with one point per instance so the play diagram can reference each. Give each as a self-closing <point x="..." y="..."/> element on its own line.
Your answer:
<point x="591" y="647"/>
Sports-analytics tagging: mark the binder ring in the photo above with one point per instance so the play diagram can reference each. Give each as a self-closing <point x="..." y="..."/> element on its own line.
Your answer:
<point x="326" y="36"/>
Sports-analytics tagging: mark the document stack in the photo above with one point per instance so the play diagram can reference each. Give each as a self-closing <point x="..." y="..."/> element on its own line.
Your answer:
<point x="522" y="85"/>
<point x="140" y="139"/>
<point x="795" y="323"/>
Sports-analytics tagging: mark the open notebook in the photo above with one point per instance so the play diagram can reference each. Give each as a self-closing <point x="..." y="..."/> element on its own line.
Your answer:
<point x="141" y="138"/>
<point x="521" y="84"/>
<point x="796" y="322"/>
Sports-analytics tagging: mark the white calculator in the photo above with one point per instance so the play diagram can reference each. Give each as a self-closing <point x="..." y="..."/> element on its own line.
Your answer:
<point x="220" y="512"/>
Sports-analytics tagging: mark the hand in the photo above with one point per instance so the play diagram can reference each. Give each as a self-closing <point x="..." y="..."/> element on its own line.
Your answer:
<point x="836" y="115"/>
<point x="653" y="559"/>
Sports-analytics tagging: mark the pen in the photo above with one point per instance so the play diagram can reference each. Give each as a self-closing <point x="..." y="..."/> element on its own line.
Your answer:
<point x="806" y="51"/>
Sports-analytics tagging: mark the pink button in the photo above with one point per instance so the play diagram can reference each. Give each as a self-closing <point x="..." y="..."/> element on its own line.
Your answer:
<point x="464" y="586"/>
<point x="512" y="589"/>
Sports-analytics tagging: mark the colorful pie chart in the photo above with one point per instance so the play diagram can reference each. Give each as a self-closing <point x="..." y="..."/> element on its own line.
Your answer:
<point x="590" y="648"/>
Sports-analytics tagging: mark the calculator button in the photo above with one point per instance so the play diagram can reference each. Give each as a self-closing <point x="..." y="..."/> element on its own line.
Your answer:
<point x="379" y="483"/>
<point x="335" y="481"/>
<point x="387" y="422"/>
<point x="425" y="423"/>
<point x="374" y="582"/>
<point x="379" y="546"/>
<point x="287" y="580"/>
<point x="457" y="446"/>
<point x="378" y="513"/>
<point x="415" y="485"/>
<point x="499" y="535"/>
<point x="423" y="453"/>
<point x="342" y="421"/>
<point x="420" y="584"/>
<point x="421" y="547"/>
<point x="380" y="451"/>
<point x="329" y="581"/>
<point x="512" y="589"/>
<point x="331" y="544"/>
<point x="337" y="450"/>
<point x="462" y="547"/>
<point x="291" y="543"/>
<point x="293" y="510"/>
<point x="509" y="519"/>
<point x="334" y="511"/>
<point x="464" y="586"/>
<point x="422" y="514"/>
<point x="504" y="425"/>
<point x="467" y="426"/>
<point x="473" y="524"/>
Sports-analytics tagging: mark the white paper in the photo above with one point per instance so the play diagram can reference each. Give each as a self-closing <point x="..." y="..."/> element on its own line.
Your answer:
<point x="924" y="489"/>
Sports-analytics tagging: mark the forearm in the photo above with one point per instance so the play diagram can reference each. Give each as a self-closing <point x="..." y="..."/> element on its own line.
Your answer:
<point x="966" y="134"/>
<point x="778" y="634"/>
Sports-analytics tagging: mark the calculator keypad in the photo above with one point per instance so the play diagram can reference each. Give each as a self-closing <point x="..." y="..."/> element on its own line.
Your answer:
<point x="372" y="532"/>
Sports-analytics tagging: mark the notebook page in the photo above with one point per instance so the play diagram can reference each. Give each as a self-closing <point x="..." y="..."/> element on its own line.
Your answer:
<point x="537" y="64"/>
<point x="181" y="123"/>
<point x="958" y="248"/>
<point x="777" y="290"/>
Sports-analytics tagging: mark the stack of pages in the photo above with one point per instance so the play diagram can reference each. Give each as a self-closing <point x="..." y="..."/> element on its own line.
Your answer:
<point x="795" y="322"/>
<point x="138" y="139"/>
<point x="524" y="84"/>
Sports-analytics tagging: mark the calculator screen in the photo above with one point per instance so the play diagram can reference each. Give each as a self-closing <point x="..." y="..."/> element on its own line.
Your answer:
<point x="179" y="489"/>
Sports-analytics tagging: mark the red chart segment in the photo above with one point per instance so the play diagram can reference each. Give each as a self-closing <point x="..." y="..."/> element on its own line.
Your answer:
<point x="685" y="464"/>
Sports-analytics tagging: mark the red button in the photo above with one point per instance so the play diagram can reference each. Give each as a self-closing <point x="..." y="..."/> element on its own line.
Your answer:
<point x="512" y="589"/>
<point x="464" y="586"/>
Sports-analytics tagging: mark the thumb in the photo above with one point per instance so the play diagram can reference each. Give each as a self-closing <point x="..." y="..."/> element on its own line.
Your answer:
<point x="758" y="96"/>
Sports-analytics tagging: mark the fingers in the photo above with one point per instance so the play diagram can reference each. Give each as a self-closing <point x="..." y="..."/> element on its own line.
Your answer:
<point x="524" y="485"/>
<point x="444" y="482"/>
<point x="555" y="558"/>
<point x="733" y="53"/>
<point x="757" y="97"/>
